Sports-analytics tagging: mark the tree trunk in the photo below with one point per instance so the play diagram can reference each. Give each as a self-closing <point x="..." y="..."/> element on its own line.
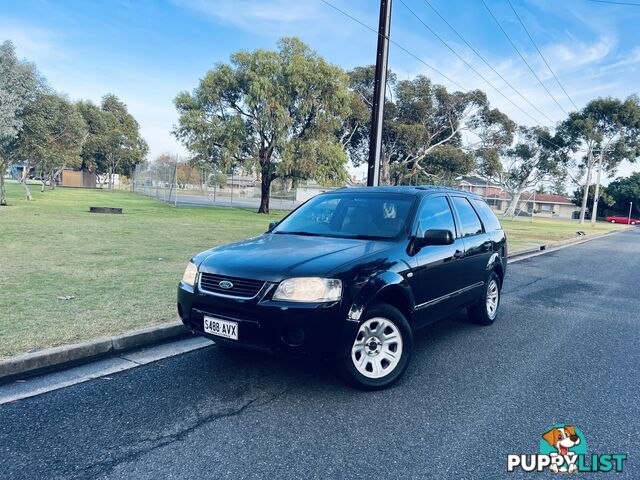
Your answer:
<point x="3" y="195"/>
<point x="265" y="185"/>
<point x="23" y="181"/>
<point x="42" y="182"/>
<point x="513" y="204"/>
<point x="385" y="177"/>
<point x="585" y="195"/>
<point x="594" y="210"/>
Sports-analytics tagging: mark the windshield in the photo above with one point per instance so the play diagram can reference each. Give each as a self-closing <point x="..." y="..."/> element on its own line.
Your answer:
<point x="350" y="215"/>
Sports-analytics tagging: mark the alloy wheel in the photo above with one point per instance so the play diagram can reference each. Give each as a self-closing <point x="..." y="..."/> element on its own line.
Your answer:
<point x="493" y="298"/>
<point x="377" y="349"/>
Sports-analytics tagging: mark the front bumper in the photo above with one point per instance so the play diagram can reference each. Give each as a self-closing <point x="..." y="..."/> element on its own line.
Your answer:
<point x="319" y="330"/>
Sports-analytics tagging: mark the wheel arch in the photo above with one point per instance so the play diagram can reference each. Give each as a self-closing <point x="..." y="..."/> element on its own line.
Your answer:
<point x="388" y="287"/>
<point x="495" y="265"/>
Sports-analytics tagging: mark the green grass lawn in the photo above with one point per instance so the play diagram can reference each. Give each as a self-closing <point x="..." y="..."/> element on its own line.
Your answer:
<point x="522" y="232"/>
<point x="123" y="270"/>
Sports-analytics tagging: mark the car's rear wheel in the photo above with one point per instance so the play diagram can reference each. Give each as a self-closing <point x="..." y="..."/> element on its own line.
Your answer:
<point x="633" y="223"/>
<point x="381" y="349"/>
<point x="486" y="310"/>
<point x="613" y="221"/>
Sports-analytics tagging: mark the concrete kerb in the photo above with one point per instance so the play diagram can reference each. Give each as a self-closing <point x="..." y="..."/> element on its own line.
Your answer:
<point x="553" y="246"/>
<point x="35" y="363"/>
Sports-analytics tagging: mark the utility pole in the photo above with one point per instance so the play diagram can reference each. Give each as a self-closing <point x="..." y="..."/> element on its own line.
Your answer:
<point x="629" y="219"/>
<point x="379" y="89"/>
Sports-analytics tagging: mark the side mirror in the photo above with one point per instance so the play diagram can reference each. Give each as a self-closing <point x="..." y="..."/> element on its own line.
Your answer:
<point x="272" y="225"/>
<point x="436" y="237"/>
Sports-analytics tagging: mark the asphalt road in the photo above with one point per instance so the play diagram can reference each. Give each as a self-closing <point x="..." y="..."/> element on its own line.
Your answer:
<point x="565" y="349"/>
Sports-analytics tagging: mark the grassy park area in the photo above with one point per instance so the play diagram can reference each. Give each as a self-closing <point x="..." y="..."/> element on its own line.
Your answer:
<point x="122" y="270"/>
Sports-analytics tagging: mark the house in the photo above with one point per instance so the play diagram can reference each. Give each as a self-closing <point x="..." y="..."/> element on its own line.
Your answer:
<point x="479" y="186"/>
<point x="541" y="204"/>
<point x="547" y="205"/>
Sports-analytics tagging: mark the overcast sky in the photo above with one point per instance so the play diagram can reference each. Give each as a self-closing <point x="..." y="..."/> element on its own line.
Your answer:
<point x="147" y="51"/>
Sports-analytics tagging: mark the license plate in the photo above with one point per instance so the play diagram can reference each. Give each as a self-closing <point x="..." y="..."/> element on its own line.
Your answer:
<point x="221" y="328"/>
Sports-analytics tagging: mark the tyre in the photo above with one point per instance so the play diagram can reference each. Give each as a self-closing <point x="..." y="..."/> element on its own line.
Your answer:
<point x="613" y="221"/>
<point x="380" y="351"/>
<point x="486" y="310"/>
<point x="633" y="223"/>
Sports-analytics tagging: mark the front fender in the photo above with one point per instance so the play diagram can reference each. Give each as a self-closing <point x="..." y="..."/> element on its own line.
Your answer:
<point x="383" y="284"/>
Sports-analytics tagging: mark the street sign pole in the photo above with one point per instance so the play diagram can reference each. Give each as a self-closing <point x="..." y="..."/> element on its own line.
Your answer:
<point x="379" y="88"/>
<point x="629" y="219"/>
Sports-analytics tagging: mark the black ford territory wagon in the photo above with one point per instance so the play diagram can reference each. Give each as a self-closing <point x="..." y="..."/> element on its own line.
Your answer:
<point x="349" y="276"/>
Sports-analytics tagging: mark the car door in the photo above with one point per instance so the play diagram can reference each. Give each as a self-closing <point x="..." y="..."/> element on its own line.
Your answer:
<point x="436" y="267"/>
<point x="478" y="249"/>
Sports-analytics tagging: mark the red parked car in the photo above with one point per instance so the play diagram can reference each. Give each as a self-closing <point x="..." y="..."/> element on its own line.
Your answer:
<point x="617" y="219"/>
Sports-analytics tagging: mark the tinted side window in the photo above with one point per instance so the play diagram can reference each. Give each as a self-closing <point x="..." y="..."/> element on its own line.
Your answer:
<point x="435" y="213"/>
<point x="470" y="223"/>
<point x="487" y="216"/>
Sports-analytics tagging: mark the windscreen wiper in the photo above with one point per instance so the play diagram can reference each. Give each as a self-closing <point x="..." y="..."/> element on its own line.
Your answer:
<point x="306" y="234"/>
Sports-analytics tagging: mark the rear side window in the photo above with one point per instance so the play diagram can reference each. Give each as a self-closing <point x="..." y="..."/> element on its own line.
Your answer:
<point x="469" y="221"/>
<point x="487" y="216"/>
<point x="435" y="213"/>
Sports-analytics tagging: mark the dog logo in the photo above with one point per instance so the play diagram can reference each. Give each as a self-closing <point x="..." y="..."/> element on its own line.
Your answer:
<point x="226" y="284"/>
<point x="563" y="449"/>
<point x="564" y="440"/>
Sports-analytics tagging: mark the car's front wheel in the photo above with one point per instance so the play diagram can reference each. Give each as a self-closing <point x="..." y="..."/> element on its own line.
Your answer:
<point x="381" y="349"/>
<point x="613" y="221"/>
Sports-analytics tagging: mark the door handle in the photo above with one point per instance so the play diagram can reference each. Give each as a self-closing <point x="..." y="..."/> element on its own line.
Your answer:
<point x="458" y="254"/>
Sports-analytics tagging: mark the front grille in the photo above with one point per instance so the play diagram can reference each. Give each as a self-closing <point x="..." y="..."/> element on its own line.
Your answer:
<point x="242" y="287"/>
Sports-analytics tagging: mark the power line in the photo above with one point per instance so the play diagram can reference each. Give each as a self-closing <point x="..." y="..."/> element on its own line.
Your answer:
<point x="628" y="4"/>
<point x="469" y="65"/>
<point x="524" y="59"/>
<point x="487" y="63"/>
<point x="326" y="2"/>
<point x="541" y="55"/>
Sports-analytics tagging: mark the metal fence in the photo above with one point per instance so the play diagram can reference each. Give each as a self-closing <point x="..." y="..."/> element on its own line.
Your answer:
<point x="179" y="184"/>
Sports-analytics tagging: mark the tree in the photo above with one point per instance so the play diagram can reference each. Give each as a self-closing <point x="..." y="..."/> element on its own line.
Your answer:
<point x="51" y="137"/>
<point x="218" y="179"/>
<point x="422" y="134"/>
<point x="19" y="84"/>
<point x="624" y="191"/>
<point x="279" y="111"/>
<point x="609" y="131"/>
<point x="114" y="145"/>
<point x="186" y="174"/>
<point x="605" y="199"/>
<point x="430" y="117"/>
<point x="357" y="126"/>
<point x="536" y="156"/>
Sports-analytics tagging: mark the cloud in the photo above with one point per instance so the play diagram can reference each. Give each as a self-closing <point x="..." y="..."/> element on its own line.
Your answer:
<point x="252" y="14"/>
<point x="577" y="53"/>
<point x="32" y="43"/>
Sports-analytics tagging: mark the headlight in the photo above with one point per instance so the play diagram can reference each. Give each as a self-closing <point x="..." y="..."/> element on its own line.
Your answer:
<point x="189" y="276"/>
<point x="309" y="289"/>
